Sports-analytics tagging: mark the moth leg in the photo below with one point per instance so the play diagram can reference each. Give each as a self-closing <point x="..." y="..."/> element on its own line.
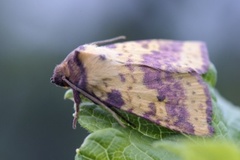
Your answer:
<point x="77" y="101"/>
<point x="95" y="100"/>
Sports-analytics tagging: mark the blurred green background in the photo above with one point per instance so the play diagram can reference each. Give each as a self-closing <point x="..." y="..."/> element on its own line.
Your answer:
<point x="35" y="121"/>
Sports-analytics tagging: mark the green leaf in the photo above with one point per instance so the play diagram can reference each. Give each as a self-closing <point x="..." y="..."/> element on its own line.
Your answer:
<point x="111" y="143"/>
<point x="231" y="117"/>
<point x="211" y="76"/>
<point x="109" y="140"/>
<point x="146" y="140"/>
<point x="68" y="94"/>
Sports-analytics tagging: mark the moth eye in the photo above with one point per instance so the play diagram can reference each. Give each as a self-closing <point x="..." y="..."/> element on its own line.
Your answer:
<point x="58" y="81"/>
<point x="52" y="80"/>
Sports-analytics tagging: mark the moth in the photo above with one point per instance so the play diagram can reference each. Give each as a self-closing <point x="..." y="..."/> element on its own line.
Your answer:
<point x="159" y="80"/>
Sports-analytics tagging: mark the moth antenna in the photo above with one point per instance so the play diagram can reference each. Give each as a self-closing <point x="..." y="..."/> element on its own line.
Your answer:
<point x="95" y="100"/>
<point x="125" y="119"/>
<point x="102" y="42"/>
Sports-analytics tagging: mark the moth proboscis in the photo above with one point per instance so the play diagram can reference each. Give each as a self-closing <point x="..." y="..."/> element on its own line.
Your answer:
<point x="159" y="80"/>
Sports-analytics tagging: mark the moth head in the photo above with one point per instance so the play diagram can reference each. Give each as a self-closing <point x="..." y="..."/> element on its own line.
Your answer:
<point x="59" y="72"/>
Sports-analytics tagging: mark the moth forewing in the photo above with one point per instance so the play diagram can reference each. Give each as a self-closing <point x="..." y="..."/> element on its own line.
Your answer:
<point x="159" y="80"/>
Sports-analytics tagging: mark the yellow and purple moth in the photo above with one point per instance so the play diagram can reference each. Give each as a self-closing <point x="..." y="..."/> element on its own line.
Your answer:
<point x="159" y="80"/>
